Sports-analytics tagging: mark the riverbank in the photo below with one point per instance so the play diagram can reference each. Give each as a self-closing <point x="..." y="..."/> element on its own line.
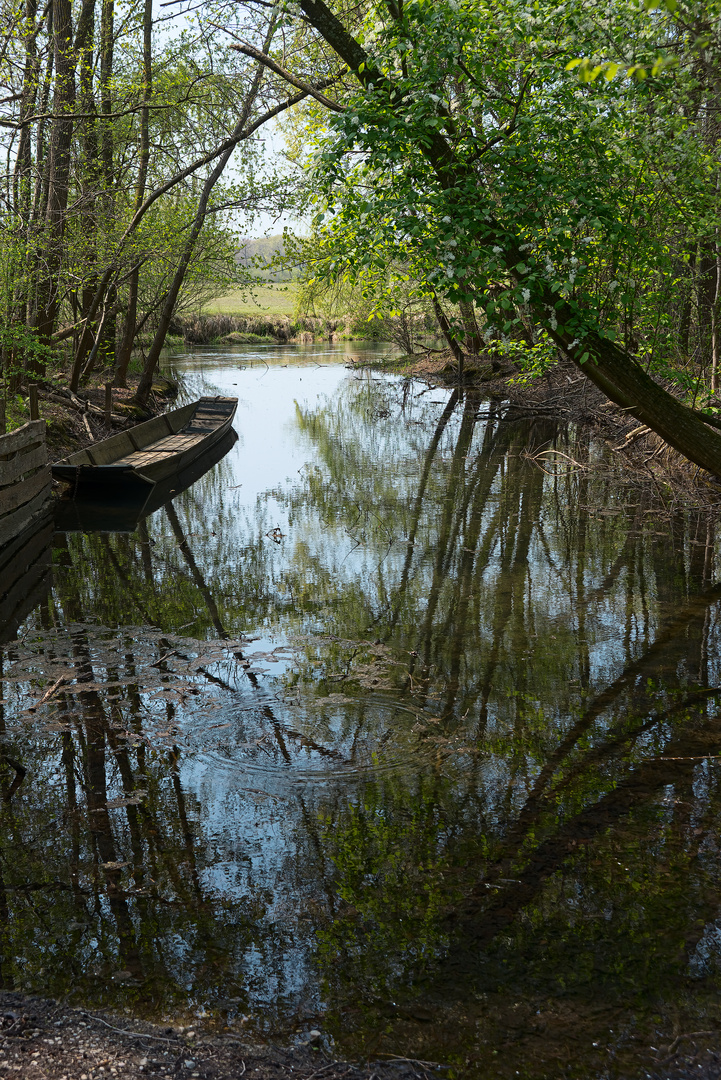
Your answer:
<point x="565" y="394"/>
<point x="52" y="1040"/>
<point x="48" y="1039"/>
<point x="76" y="420"/>
<point x="278" y="329"/>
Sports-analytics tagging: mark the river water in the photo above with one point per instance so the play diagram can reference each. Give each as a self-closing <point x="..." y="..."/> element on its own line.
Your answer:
<point x="401" y="723"/>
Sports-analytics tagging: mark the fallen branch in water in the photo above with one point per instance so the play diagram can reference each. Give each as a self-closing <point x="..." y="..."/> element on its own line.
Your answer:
<point x="50" y="693"/>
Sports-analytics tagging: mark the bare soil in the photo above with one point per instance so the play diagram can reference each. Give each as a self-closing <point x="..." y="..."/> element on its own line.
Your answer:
<point x="49" y="1041"/>
<point x="45" y="1040"/>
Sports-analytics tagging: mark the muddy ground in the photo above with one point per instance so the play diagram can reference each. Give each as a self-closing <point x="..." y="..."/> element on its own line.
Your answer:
<point x="45" y="1040"/>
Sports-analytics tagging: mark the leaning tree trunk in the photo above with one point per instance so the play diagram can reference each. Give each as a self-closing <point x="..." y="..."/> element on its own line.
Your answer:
<point x="626" y="383"/>
<point x="611" y="369"/>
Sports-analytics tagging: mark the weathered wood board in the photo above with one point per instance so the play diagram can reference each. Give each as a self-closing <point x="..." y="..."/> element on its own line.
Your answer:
<point x="22" y="491"/>
<point x="27" y="435"/>
<point x="25" y="478"/>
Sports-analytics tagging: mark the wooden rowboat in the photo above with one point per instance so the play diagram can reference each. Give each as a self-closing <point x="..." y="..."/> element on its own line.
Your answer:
<point x="150" y="452"/>
<point x="121" y="509"/>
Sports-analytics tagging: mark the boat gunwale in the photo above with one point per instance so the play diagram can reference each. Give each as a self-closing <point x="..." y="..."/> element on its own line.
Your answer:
<point x="76" y="468"/>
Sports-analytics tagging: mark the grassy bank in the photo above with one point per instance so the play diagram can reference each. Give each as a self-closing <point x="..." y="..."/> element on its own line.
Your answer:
<point x="259" y="327"/>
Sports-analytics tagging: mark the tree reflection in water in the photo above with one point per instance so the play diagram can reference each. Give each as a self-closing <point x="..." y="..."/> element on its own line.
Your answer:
<point x="460" y="798"/>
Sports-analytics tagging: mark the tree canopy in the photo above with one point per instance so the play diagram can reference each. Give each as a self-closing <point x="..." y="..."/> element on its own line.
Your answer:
<point x="552" y="171"/>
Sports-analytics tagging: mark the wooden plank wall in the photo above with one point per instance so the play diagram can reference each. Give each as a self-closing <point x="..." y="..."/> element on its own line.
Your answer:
<point x="25" y="478"/>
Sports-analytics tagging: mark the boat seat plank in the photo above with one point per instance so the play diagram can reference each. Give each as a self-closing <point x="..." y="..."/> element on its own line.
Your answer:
<point x="174" y="442"/>
<point x="171" y="444"/>
<point x="143" y="457"/>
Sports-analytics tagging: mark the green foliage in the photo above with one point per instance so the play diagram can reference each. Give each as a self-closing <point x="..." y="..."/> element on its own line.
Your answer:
<point x="22" y="348"/>
<point x="531" y="360"/>
<point x="604" y="189"/>
<point x="95" y="244"/>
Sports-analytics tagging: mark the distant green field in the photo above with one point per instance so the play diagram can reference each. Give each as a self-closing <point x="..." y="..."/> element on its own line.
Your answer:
<point x="264" y="300"/>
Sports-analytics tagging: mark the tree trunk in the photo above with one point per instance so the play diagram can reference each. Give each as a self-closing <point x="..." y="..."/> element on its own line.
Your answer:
<point x="65" y="56"/>
<point x="23" y="158"/>
<point x="610" y="368"/>
<point x="90" y="183"/>
<point x="146" y="379"/>
<point x="129" y="326"/>
<point x="474" y="341"/>
<point x="448" y="334"/>
<point x="686" y="309"/>
<point x="48" y="299"/>
<point x="706" y="296"/>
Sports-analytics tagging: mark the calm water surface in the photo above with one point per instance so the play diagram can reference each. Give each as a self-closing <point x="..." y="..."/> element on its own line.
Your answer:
<point x="401" y="723"/>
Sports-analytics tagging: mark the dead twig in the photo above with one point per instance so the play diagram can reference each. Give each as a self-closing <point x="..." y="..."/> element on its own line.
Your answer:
<point x="417" y="1061"/>
<point x="50" y="693"/>
<point x="679" y="1039"/>
<point x="126" y="1031"/>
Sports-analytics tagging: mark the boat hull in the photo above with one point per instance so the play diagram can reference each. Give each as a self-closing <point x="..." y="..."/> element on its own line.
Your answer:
<point x="151" y="452"/>
<point x="122" y="510"/>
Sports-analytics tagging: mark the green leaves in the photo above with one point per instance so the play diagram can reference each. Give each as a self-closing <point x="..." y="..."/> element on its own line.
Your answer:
<point x="588" y="72"/>
<point x="561" y="200"/>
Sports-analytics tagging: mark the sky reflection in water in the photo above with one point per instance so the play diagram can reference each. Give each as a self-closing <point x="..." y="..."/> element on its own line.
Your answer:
<point x="396" y="722"/>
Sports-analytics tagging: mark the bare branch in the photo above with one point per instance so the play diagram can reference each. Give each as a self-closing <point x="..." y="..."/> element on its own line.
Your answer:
<point x="307" y="88"/>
